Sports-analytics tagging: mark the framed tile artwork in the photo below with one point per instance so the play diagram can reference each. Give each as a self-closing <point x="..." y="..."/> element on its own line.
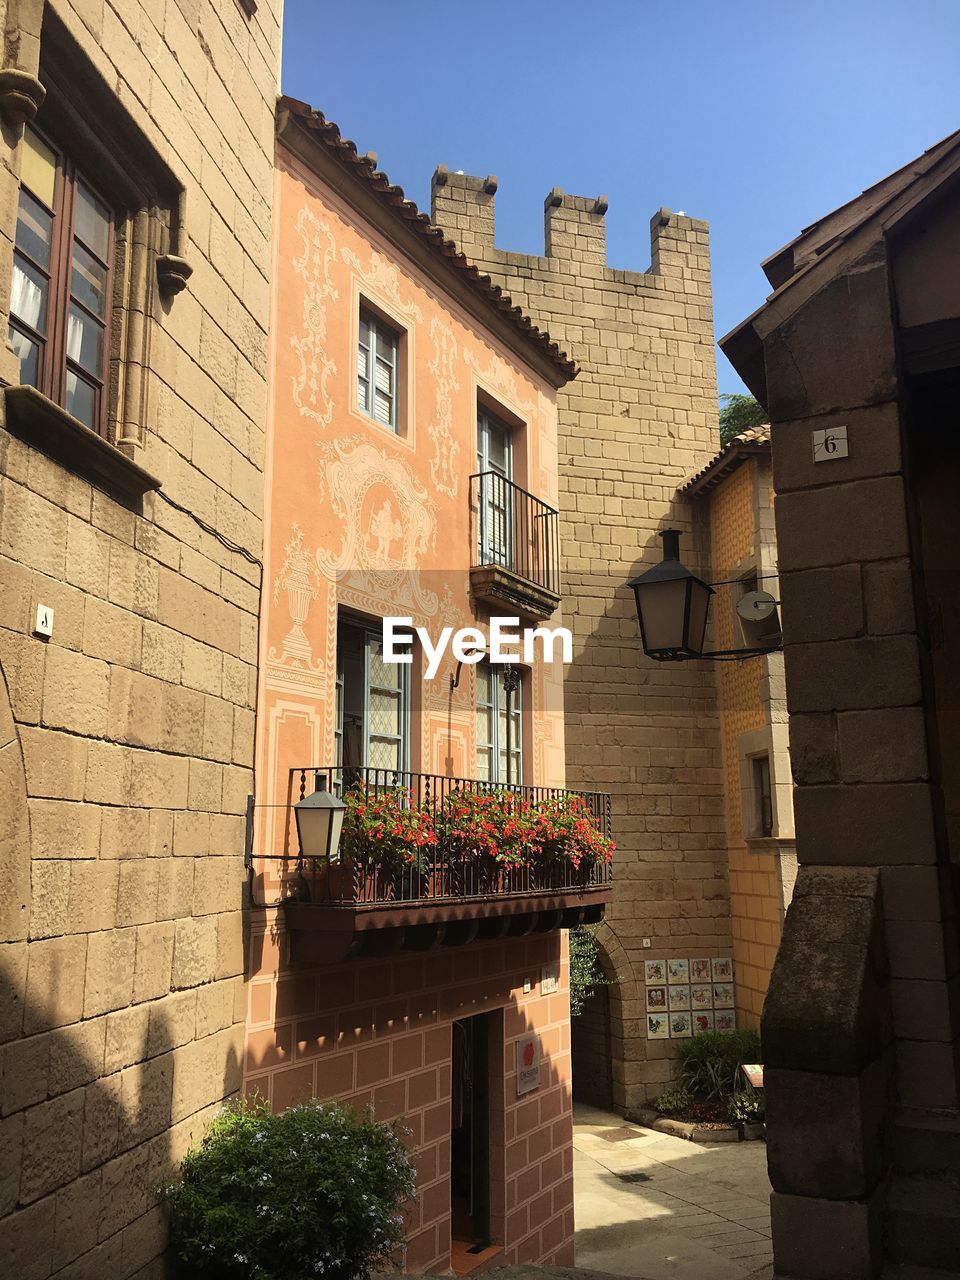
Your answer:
<point x="658" y="1026"/>
<point x="679" y="996"/>
<point x="723" y="995"/>
<point x="694" y="994"/>
<point x="701" y="995"/>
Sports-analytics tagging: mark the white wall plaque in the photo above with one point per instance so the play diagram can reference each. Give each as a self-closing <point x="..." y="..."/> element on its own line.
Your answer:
<point x="528" y="1064"/>
<point x="44" y="623"/>
<point x="549" y="979"/>
<point x="829" y="445"/>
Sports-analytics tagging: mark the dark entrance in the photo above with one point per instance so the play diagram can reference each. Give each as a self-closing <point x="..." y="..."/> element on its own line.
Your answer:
<point x="591" y="1051"/>
<point x="470" y="1143"/>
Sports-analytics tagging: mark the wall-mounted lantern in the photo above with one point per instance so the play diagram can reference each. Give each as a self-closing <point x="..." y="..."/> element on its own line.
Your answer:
<point x="319" y="824"/>
<point x="672" y="607"/>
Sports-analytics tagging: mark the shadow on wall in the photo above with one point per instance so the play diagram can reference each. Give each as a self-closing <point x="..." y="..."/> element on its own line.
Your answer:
<point x="647" y="733"/>
<point x="95" y="1115"/>
<point x="378" y="1032"/>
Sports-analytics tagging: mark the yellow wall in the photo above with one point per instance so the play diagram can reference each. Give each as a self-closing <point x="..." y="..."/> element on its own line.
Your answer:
<point x="755" y="900"/>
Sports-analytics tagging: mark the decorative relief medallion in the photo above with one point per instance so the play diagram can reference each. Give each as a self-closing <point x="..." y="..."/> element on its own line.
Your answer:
<point x="382" y="277"/>
<point x="443" y="465"/>
<point x="316" y="366"/>
<point x="388" y="523"/>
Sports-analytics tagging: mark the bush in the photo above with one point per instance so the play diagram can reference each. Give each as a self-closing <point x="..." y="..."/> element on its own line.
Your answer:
<point x="314" y="1191"/>
<point x="709" y="1062"/>
<point x="586" y="973"/>
<point x="746" y="1107"/>
<point x="674" y="1100"/>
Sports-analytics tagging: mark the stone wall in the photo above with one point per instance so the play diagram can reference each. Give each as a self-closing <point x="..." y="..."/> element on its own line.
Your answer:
<point x="638" y="421"/>
<point x="128" y="738"/>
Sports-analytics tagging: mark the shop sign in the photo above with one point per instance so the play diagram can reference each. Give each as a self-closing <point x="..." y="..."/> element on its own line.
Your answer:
<point x="528" y="1064"/>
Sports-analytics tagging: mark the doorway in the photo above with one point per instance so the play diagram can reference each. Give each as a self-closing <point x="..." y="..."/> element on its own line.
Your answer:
<point x="592" y="1051"/>
<point x="470" y="1144"/>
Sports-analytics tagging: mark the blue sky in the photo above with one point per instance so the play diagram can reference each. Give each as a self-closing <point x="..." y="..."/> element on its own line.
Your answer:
<point x="759" y="115"/>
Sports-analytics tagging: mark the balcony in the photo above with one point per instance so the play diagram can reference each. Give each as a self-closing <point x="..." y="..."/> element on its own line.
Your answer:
<point x="516" y="540"/>
<point x="473" y="860"/>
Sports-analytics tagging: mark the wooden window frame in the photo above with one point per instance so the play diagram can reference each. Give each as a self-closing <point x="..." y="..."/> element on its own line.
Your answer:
<point x="763" y="794"/>
<point x="376" y="324"/>
<point x="53" y="362"/>
<point x="494" y="748"/>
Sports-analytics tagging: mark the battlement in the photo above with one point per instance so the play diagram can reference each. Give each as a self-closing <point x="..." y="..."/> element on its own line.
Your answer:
<point x="574" y="227"/>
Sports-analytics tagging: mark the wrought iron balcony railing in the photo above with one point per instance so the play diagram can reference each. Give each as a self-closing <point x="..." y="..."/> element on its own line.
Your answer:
<point x="417" y="837"/>
<point x="518" y="534"/>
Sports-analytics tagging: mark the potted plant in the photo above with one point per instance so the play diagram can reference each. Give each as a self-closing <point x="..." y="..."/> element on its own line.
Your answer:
<point x="316" y="1190"/>
<point x="746" y="1110"/>
<point x="387" y="840"/>
<point x="570" y="839"/>
<point x="484" y="836"/>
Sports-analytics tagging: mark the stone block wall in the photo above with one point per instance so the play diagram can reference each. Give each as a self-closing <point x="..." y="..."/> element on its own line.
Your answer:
<point x="638" y="421"/>
<point x="126" y="739"/>
<point x="378" y="1033"/>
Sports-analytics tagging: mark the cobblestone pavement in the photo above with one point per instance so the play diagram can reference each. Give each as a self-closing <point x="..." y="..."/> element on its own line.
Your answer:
<point x="654" y="1207"/>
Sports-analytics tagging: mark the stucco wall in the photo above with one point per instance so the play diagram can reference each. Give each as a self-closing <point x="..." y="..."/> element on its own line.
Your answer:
<point x="756" y="902"/>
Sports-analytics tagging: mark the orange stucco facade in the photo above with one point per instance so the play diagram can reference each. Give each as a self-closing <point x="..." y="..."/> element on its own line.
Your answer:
<point x="365" y="520"/>
<point x="752" y="717"/>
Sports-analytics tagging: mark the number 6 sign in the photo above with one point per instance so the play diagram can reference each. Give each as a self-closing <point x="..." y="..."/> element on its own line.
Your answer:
<point x="828" y="445"/>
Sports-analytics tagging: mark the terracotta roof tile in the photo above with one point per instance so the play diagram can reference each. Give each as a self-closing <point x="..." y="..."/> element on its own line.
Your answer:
<point x="745" y="445"/>
<point x="364" y="168"/>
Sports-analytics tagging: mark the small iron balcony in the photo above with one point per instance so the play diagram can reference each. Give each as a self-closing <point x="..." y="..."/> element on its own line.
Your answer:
<point x="516" y="541"/>
<point x="426" y="860"/>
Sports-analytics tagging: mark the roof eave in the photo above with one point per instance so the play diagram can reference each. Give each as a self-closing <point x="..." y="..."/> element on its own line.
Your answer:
<point x="399" y="220"/>
<point x="722" y="466"/>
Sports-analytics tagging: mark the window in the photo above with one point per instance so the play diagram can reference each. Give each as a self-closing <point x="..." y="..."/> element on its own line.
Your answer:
<point x="495" y="465"/>
<point x="373" y="703"/>
<point x="499" y="724"/>
<point x="377" y="354"/>
<point x="62" y="279"/>
<point x="763" y="796"/>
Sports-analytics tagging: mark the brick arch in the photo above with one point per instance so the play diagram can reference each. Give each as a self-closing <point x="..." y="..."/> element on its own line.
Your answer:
<point x="14" y="826"/>
<point x="626" y="1016"/>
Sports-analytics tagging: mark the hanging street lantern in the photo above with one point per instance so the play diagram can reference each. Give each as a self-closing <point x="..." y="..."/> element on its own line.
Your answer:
<point x="319" y="824"/>
<point x="672" y="606"/>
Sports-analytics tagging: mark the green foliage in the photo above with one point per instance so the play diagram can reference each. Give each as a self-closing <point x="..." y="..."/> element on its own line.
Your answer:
<point x="709" y="1062"/>
<point x="314" y="1191"/>
<point x="737" y="413"/>
<point x="586" y="972"/>
<point x="746" y="1107"/>
<point x="674" y="1100"/>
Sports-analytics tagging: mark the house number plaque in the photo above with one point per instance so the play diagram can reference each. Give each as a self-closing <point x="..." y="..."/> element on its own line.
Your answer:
<point x="829" y="445"/>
